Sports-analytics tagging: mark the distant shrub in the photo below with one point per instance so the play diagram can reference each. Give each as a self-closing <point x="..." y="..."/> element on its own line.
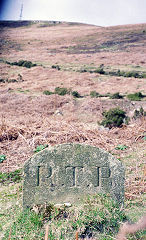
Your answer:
<point x="113" y="118"/>
<point x="127" y="74"/>
<point x="61" y="91"/>
<point x="116" y="96"/>
<point x="94" y="94"/>
<point x="100" y="70"/>
<point x="47" y="92"/>
<point x="28" y="64"/>
<point x="22" y="63"/>
<point x="56" y="67"/>
<point x="76" y="94"/>
<point x="135" y="96"/>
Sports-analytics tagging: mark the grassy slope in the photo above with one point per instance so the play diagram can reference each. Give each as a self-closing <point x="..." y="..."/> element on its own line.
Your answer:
<point x="74" y="48"/>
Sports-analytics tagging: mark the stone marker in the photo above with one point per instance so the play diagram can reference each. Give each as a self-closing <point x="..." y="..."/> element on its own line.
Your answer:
<point x="68" y="172"/>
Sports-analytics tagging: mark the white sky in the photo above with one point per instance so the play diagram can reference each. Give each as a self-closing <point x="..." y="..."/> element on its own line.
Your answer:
<point x="98" y="12"/>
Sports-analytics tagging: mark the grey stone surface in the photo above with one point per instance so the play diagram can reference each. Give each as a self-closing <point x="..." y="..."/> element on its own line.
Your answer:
<point x="68" y="172"/>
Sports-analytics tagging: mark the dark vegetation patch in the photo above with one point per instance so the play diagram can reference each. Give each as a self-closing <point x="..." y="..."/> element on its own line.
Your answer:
<point x="61" y="91"/>
<point x="9" y="133"/>
<point x="95" y="94"/>
<point x="47" y="92"/>
<point x="123" y="41"/>
<point x="119" y="73"/>
<point x="15" y="24"/>
<point x="113" y="118"/>
<point x="75" y="94"/>
<point x="134" y="74"/>
<point x="6" y="80"/>
<point x="22" y="63"/>
<point x="101" y="70"/>
<point x="116" y="96"/>
<point x="48" y="23"/>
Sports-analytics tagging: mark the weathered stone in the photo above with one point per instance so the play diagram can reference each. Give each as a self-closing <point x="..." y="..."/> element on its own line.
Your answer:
<point x="68" y="172"/>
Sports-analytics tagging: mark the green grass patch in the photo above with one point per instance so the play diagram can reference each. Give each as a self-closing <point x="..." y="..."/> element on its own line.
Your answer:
<point x="27" y="225"/>
<point x="121" y="147"/>
<point x="10" y="177"/>
<point x="2" y="158"/>
<point x="135" y="96"/>
<point x="40" y="148"/>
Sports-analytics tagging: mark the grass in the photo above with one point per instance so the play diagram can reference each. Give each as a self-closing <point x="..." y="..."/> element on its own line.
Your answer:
<point x="121" y="147"/>
<point x="135" y="96"/>
<point x="97" y="216"/>
<point x="11" y="177"/>
<point x="40" y="148"/>
<point x="2" y="158"/>
<point x="27" y="225"/>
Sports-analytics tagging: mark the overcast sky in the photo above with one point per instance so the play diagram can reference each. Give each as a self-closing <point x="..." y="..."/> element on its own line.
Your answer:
<point x="98" y="12"/>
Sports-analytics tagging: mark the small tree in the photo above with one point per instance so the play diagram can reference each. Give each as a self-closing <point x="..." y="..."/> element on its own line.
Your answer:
<point x="113" y="118"/>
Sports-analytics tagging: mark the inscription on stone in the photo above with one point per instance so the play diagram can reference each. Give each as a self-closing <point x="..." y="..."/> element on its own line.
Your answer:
<point x="68" y="172"/>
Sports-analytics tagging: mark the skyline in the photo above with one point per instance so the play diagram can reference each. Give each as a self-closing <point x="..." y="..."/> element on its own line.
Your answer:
<point x="96" y="12"/>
